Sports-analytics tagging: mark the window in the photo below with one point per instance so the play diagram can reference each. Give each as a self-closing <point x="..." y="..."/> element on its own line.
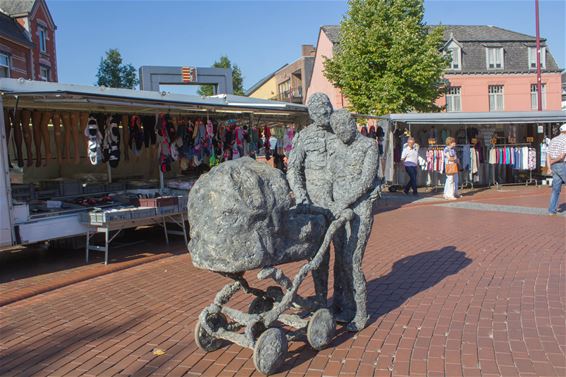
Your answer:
<point x="44" y="73"/>
<point x="494" y="58"/>
<point x="42" y="39"/>
<point x="284" y="89"/>
<point x="533" y="57"/>
<point x="456" y="54"/>
<point x="496" y="98"/>
<point x="4" y="65"/>
<point x="454" y="99"/>
<point x="534" y="96"/>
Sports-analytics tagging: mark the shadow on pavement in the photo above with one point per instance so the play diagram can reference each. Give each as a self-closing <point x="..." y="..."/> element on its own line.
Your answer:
<point x="408" y="277"/>
<point x="37" y="260"/>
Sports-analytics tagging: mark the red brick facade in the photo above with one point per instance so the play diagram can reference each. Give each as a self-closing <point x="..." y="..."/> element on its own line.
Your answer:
<point x="20" y="58"/>
<point x="30" y="61"/>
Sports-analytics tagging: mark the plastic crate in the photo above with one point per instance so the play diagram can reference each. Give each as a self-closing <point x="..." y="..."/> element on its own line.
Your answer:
<point x="164" y="201"/>
<point x="94" y="188"/>
<point x="167" y="210"/>
<point x="183" y="202"/>
<point x="66" y="187"/>
<point x="116" y="186"/>
<point x="142" y="212"/>
<point x="102" y="217"/>
<point x="23" y="192"/>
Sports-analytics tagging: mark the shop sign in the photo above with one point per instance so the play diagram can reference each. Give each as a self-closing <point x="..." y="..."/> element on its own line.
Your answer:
<point x="540" y="129"/>
<point x="530" y="139"/>
<point x="431" y="141"/>
<point x="512" y="140"/>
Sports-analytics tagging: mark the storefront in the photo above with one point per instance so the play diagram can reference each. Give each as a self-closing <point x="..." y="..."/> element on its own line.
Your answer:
<point x="73" y="153"/>
<point x="494" y="148"/>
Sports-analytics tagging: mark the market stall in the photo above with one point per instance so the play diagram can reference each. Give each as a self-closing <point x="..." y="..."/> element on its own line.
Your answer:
<point x="71" y="153"/>
<point x="494" y="148"/>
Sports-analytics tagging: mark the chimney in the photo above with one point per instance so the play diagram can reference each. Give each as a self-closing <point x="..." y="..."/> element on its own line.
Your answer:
<point x="308" y="50"/>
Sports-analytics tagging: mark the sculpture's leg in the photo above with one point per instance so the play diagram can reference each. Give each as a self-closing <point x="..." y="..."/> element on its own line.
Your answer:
<point x="17" y="130"/>
<point x="8" y="128"/>
<point x="56" y="120"/>
<point x="76" y="141"/>
<point x="26" y="130"/>
<point x="343" y="311"/>
<point x="66" y="118"/>
<point x="125" y="137"/>
<point x="46" y="117"/>
<point x="83" y="119"/>
<point x="36" y="123"/>
<point x="364" y="215"/>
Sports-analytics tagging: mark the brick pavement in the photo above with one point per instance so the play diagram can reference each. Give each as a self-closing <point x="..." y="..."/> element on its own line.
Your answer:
<point x="451" y="292"/>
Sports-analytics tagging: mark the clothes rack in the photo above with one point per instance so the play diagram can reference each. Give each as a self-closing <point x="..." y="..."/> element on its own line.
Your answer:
<point x="495" y="182"/>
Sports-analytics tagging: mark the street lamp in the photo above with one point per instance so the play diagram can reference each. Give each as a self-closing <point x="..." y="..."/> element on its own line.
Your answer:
<point x="539" y="79"/>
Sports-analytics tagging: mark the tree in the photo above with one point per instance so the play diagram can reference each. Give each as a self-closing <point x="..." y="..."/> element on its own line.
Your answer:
<point x="388" y="60"/>
<point x="237" y="79"/>
<point x="113" y="73"/>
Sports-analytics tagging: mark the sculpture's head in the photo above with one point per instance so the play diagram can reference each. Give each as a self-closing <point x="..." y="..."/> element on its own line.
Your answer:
<point x="236" y="212"/>
<point x="344" y="126"/>
<point x="320" y="108"/>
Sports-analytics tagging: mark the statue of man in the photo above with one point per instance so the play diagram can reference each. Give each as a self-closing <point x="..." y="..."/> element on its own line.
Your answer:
<point x="353" y="163"/>
<point x="307" y="172"/>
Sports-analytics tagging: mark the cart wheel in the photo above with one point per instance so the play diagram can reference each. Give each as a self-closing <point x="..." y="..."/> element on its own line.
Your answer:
<point x="270" y="351"/>
<point x="260" y="304"/>
<point x="206" y="341"/>
<point x="275" y="292"/>
<point x="321" y="329"/>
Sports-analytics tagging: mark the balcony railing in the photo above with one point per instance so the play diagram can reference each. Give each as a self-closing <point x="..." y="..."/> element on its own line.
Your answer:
<point x="294" y="95"/>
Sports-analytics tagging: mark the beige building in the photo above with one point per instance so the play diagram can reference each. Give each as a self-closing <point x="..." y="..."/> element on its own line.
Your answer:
<point x="290" y="82"/>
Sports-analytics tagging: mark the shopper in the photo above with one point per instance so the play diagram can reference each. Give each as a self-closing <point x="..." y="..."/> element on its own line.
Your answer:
<point x="450" y="158"/>
<point x="410" y="157"/>
<point x="556" y="160"/>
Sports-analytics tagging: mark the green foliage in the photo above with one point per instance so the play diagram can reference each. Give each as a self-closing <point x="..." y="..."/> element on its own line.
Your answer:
<point x="388" y="61"/>
<point x="113" y="73"/>
<point x="237" y="79"/>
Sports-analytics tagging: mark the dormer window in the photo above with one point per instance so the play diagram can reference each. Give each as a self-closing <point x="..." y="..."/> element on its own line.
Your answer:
<point x="456" y="55"/>
<point x="494" y="57"/>
<point x="42" y="32"/>
<point x="533" y="57"/>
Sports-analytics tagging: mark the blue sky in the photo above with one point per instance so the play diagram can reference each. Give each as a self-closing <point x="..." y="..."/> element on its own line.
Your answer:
<point x="259" y="36"/>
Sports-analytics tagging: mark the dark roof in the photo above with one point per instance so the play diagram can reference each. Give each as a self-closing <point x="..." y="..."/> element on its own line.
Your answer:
<point x="263" y="81"/>
<point x="483" y="33"/>
<point x="10" y="29"/>
<point x="474" y="39"/>
<point x="332" y="32"/>
<point x="16" y="8"/>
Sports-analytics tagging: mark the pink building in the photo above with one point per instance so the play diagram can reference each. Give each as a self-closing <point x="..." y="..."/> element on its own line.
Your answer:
<point x="492" y="69"/>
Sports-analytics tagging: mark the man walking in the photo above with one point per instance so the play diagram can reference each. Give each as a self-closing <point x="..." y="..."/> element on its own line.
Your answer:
<point x="556" y="161"/>
<point x="410" y="157"/>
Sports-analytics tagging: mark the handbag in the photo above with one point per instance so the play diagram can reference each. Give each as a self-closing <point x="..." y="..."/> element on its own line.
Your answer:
<point x="451" y="168"/>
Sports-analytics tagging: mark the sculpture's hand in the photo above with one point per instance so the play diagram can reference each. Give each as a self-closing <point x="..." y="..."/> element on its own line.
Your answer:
<point x="347" y="214"/>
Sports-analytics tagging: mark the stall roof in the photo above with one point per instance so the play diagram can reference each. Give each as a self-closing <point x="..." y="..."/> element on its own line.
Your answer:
<point x="70" y="96"/>
<point x="515" y="117"/>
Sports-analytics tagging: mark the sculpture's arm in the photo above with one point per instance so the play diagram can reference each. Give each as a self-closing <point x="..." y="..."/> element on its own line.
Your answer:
<point x="296" y="171"/>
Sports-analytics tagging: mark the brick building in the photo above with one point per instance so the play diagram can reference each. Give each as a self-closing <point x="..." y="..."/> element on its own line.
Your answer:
<point x="492" y="69"/>
<point x="27" y="40"/>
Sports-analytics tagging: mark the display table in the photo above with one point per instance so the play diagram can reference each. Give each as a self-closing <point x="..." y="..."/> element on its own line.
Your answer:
<point x="119" y="225"/>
